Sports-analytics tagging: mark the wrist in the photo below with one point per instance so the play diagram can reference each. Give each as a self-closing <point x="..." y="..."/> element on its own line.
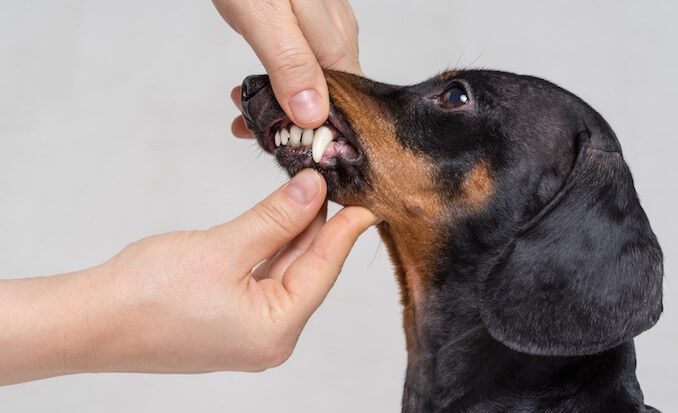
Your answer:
<point x="101" y="325"/>
<point x="56" y="325"/>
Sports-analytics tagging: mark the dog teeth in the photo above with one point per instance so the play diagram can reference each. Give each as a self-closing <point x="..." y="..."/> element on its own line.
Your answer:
<point x="284" y="136"/>
<point x="295" y="136"/>
<point x="321" y="138"/>
<point x="307" y="137"/>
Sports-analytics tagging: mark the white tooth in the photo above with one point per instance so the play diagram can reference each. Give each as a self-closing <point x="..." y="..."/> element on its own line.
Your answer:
<point x="284" y="136"/>
<point x="321" y="138"/>
<point x="307" y="137"/>
<point x="277" y="139"/>
<point x="295" y="135"/>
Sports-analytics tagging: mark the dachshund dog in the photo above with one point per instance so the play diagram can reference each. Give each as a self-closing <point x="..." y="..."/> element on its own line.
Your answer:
<point x="525" y="262"/>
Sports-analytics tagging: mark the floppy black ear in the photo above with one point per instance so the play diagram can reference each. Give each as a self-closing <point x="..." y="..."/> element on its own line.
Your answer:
<point x="586" y="273"/>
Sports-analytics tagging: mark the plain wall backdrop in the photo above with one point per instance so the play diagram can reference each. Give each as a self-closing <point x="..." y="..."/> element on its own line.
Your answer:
<point x="114" y="125"/>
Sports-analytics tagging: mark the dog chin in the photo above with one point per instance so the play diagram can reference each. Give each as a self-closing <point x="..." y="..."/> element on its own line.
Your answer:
<point x="345" y="184"/>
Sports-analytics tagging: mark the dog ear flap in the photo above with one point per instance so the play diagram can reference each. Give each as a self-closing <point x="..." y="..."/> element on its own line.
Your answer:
<point x="586" y="273"/>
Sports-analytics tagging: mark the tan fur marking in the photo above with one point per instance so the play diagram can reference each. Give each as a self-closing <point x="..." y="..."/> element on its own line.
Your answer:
<point x="477" y="186"/>
<point x="404" y="192"/>
<point x="409" y="324"/>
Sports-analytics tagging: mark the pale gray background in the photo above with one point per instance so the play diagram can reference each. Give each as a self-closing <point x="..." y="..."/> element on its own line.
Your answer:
<point x="114" y="125"/>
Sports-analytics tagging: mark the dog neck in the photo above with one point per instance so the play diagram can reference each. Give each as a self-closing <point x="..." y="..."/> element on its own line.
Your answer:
<point x="409" y="254"/>
<point x="437" y="294"/>
<point x="453" y="362"/>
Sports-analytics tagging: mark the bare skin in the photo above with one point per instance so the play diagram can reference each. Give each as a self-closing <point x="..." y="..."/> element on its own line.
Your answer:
<point x="233" y="297"/>
<point x="295" y="39"/>
<point x="186" y="302"/>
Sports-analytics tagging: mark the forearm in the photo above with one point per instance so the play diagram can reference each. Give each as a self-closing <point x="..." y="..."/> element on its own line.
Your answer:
<point x="185" y="302"/>
<point x="54" y="326"/>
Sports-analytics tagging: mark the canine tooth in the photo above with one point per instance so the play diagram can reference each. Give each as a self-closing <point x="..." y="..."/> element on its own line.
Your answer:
<point x="284" y="136"/>
<point x="321" y="138"/>
<point x="277" y="139"/>
<point x="307" y="137"/>
<point x="295" y="135"/>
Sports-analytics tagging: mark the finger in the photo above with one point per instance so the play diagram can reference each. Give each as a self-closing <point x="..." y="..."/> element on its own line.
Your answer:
<point x="236" y="93"/>
<point x="296" y="77"/>
<point x="332" y="33"/>
<point x="240" y="129"/>
<point x="299" y="245"/>
<point x="261" y="231"/>
<point x="310" y="277"/>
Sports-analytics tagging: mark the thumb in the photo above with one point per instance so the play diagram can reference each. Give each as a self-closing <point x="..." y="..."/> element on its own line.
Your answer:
<point x="296" y="76"/>
<point x="261" y="231"/>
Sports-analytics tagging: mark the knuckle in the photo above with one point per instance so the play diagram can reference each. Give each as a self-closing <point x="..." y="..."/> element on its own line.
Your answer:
<point x="274" y="353"/>
<point x="279" y="356"/>
<point x="275" y="218"/>
<point x="344" y="221"/>
<point x="293" y="63"/>
<point x="340" y="59"/>
<point x="321" y="255"/>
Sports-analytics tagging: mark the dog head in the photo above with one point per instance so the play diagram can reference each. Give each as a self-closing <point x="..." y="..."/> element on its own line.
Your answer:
<point x="523" y="171"/>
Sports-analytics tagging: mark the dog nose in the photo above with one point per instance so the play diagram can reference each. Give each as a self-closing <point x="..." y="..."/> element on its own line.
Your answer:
<point x="253" y="84"/>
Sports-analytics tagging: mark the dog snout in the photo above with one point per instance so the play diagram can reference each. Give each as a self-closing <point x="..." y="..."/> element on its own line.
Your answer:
<point x="257" y="101"/>
<point x="252" y="85"/>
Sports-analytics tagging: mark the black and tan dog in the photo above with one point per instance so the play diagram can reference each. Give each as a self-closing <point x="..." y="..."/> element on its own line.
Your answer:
<point x="525" y="260"/>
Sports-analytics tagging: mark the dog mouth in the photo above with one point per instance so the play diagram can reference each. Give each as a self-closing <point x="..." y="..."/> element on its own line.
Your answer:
<point x="331" y="146"/>
<point x="334" y="149"/>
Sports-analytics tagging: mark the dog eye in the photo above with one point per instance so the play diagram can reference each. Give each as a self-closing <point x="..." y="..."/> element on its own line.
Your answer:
<point x="455" y="97"/>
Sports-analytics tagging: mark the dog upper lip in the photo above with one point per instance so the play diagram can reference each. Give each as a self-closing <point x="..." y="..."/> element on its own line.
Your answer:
<point x="340" y="123"/>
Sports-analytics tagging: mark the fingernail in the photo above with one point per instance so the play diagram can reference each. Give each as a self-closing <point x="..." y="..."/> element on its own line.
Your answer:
<point x="304" y="187"/>
<point x="306" y="106"/>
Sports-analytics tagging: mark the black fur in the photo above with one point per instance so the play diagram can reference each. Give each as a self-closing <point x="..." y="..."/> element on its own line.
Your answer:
<point x="535" y="304"/>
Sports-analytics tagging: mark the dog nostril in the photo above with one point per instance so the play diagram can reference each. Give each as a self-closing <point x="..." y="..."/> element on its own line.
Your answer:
<point x="253" y="84"/>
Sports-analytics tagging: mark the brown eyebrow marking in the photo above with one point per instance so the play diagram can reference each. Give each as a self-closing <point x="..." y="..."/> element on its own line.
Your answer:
<point x="446" y="75"/>
<point x="477" y="186"/>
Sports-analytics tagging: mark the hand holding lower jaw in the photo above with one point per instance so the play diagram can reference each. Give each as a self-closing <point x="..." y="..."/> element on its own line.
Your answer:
<point x="233" y="297"/>
<point x="193" y="301"/>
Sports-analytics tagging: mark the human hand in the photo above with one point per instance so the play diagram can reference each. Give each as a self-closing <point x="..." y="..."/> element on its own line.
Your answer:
<point x="186" y="301"/>
<point x="295" y="39"/>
